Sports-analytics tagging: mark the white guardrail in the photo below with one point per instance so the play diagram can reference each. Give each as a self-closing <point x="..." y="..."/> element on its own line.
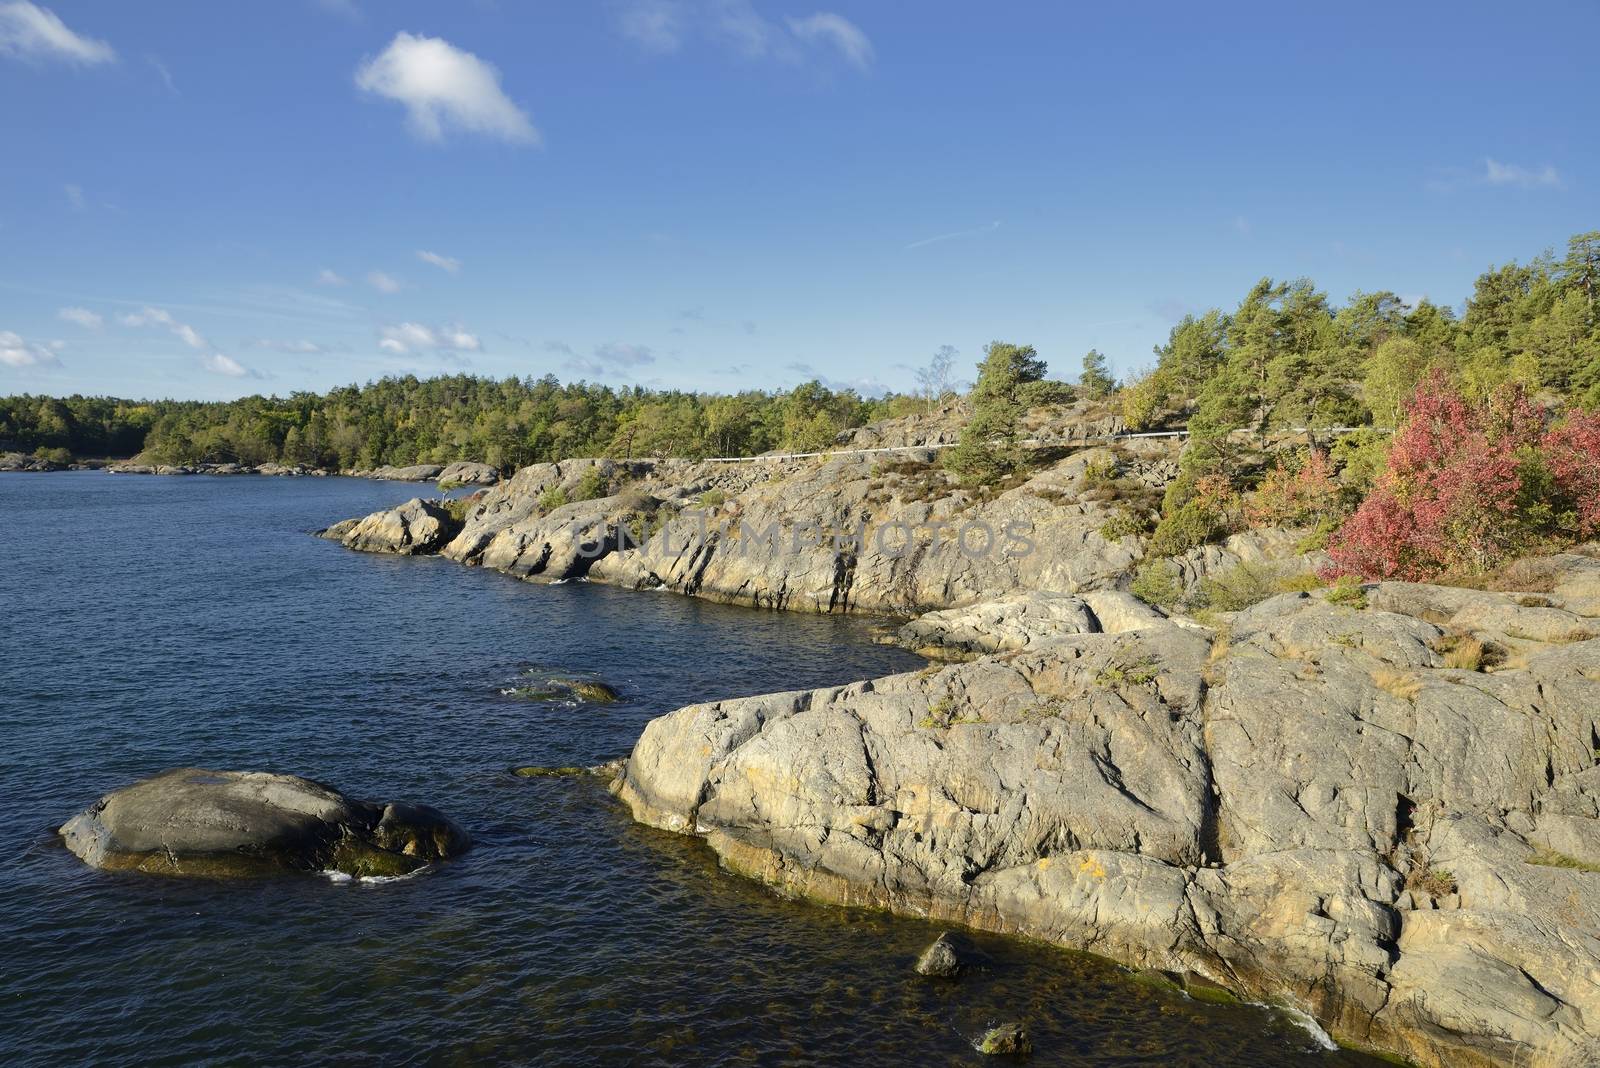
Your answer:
<point x="1031" y="442"/>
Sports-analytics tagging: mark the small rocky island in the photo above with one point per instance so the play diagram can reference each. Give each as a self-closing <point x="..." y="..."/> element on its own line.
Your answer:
<point x="227" y="824"/>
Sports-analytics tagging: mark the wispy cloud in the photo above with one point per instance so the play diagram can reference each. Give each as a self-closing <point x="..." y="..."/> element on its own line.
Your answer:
<point x="327" y="277"/>
<point x="867" y="387"/>
<point x="161" y="317"/>
<point x="614" y="357"/>
<point x="654" y="25"/>
<point x="448" y="263"/>
<point x="1497" y="173"/>
<point x="35" y="33"/>
<point x="218" y="364"/>
<point x="662" y="27"/>
<point x="299" y="347"/>
<point x="382" y="282"/>
<point x="826" y="28"/>
<point x="74" y="196"/>
<point x="164" y="73"/>
<point x="89" y="320"/>
<point x="975" y="231"/>
<point x="19" y="353"/>
<point x="442" y="86"/>
<point x="404" y="338"/>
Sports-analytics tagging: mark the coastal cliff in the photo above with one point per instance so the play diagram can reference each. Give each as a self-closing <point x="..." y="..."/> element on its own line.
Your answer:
<point x="885" y="534"/>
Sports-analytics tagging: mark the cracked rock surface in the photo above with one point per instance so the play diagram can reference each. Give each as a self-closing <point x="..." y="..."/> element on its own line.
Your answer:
<point x="414" y="528"/>
<point x="1308" y="804"/>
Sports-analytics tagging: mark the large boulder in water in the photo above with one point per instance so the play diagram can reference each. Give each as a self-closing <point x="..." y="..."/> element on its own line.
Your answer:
<point x="416" y="527"/>
<point x="240" y="823"/>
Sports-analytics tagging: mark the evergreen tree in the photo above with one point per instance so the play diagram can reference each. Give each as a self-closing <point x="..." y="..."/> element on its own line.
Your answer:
<point x="988" y="447"/>
<point x="1096" y="380"/>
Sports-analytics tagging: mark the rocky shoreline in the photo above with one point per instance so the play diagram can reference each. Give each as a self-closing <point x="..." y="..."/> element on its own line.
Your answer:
<point x="1379" y="805"/>
<point x="462" y="473"/>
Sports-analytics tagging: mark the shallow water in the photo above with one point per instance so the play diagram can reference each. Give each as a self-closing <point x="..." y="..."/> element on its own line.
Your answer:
<point x="160" y="622"/>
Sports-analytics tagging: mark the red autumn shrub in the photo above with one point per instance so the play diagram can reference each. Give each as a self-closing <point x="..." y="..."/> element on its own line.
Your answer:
<point x="1448" y="498"/>
<point x="1294" y="495"/>
<point x="1572" y="450"/>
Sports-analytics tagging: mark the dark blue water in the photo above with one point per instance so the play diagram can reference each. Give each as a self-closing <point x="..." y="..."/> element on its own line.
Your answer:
<point x="158" y="622"/>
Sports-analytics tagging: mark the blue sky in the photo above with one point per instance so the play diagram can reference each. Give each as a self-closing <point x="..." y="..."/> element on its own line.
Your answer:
<point x="215" y="199"/>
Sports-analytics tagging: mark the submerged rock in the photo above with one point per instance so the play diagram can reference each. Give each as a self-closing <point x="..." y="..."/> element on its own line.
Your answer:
<point x="940" y="959"/>
<point x="1007" y="1040"/>
<point x="557" y="687"/>
<point x="192" y="821"/>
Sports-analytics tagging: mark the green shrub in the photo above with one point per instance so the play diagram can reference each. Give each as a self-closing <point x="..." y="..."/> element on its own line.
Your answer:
<point x="713" y="498"/>
<point x="552" y="498"/>
<point x="1349" y="591"/>
<point x="1237" y="588"/>
<point x="1157" y="582"/>
<point x="1126" y="521"/>
<point x="592" y="486"/>
<point x="1189" y="527"/>
<point x="1300" y="582"/>
<point x="1102" y="472"/>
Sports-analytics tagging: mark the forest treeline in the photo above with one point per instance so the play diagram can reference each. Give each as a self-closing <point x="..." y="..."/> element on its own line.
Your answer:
<point x="507" y="422"/>
<point x="1285" y="356"/>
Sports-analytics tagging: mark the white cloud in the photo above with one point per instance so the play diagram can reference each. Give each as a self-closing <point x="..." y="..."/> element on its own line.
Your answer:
<point x="74" y="196"/>
<point x="302" y="346"/>
<point x="403" y="338"/>
<point x="1497" y="173"/>
<point x="326" y="277"/>
<point x="162" y="317"/>
<point x="654" y="25"/>
<point x="449" y="263"/>
<point x="89" y="320"/>
<point x="441" y="85"/>
<point x="15" y="352"/>
<point x="827" y="28"/>
<point x="219" y="364"/>
<point x="30" y="32"/>
<point x="383" y="283"/>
